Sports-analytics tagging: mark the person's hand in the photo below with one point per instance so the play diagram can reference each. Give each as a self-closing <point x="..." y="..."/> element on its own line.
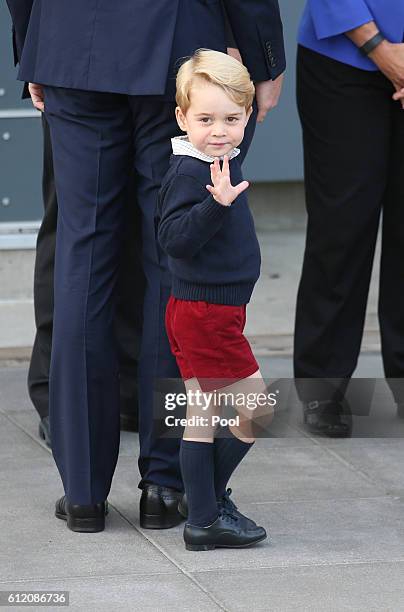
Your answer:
<point x="389" y="58"/>
<point x="234" y="53"/>
<point x="222" y="190"/>
<point x="36" y="93"/>
<point x="267" y="94"/>
<point x="399" y="95"/>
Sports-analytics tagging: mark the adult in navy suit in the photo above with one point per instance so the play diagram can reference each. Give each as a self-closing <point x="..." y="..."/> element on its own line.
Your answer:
<point x="128" y="322"/>
<point x="107" y="76"/>
<point x="350" y="64"/>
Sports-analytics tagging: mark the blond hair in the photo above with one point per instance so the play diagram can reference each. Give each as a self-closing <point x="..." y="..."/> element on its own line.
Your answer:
<point x="217" y="68"/>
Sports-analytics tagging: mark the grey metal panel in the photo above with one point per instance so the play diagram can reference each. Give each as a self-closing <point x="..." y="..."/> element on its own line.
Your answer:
<point x="276" y="152"/>
<point x="10" y="88"/>
<point x="20" y="140"/>
<point x="20" y="169"/>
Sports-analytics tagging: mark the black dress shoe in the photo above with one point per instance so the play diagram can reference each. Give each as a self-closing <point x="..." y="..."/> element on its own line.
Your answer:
<point x="228" y="531"/>
<point x="224" y="503"/>
<point x="44" y="431"/>
<point x="159" y="507"/>
<point x="327" y="418"/>
<point x="88" y="519"/>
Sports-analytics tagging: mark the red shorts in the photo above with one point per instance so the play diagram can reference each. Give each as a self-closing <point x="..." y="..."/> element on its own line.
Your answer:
<point x="208" y="343"/>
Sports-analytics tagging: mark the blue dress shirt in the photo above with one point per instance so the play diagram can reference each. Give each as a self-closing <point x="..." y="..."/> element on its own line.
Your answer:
<point x="324" y="22"/>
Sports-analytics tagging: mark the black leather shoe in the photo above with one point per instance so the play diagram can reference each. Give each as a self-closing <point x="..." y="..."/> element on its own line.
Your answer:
<point x="224" y="503"/>
<point x="327" y="418"/>
<point x="44" y="431"/>
<point x="88" y="519"/>
<point x="227" y="531"/>
<point x="159" y="507"/>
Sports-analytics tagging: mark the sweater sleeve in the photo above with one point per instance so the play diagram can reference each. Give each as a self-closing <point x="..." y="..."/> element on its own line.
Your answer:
<point x="189" y="217"/>
<point x="331" y="18"/>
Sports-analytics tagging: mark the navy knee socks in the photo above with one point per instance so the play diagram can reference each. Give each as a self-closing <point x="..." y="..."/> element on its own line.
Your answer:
<point x="198" y="469"/>
<point x="228" y="453"/>
<point x="206" y="469"/>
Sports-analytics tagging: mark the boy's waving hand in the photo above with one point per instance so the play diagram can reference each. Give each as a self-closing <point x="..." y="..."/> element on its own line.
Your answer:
<point x="223" y="191"/>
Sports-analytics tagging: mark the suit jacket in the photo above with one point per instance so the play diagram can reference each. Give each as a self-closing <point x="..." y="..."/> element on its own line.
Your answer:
<point x="133" y="46"/>
<point x="324" y="22"/>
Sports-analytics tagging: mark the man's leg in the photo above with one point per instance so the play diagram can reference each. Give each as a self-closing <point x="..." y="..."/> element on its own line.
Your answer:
<point x="128" y="321"/>
<point x="92" y="140"/>
<point x="391" y="294"/>
<point x="344" y="112"/>
<point x="38" y="375"/>
<point x="129" y="311"/>
<point x="155" y="125"/>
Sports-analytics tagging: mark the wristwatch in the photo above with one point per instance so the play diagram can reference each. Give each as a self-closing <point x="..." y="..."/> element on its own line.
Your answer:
<point x="372" y="43"/>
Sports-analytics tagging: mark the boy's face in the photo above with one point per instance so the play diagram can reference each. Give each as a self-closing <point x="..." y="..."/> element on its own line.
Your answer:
<point x="214" y="123"/>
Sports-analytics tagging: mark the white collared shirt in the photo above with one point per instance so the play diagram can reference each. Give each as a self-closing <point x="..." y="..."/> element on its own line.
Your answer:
<point x="182" y="146"/>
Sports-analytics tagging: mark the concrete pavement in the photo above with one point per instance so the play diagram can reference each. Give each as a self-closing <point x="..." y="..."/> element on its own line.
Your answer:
<point x="334" y="509"/>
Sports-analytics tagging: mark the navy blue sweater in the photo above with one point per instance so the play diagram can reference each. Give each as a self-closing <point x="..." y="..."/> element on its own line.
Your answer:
<point x="213" y="251"/>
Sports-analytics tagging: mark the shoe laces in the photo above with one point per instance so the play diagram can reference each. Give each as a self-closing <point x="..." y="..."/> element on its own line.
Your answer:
<point x="228" y="516"/>
<point x="226" y="503"/>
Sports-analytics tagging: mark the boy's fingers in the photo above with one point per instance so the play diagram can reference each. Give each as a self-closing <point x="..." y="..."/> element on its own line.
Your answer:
<point x="241" y="187"/>
<point x="226" y="169"/>
<point x="213" y="173"/>
<point x="216" y="170"/>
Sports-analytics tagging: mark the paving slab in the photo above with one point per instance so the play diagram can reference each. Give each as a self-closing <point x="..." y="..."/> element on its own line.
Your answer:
<point x="380" y="459"/>
<point x="13" y="388"/>
<point x="152" y="592"/>
<point x="305" y="533"/>
<point x="304" y="473"/>
<point x="34" y="544"/>
<point x="12" y="438"/>
<point x="27" y="422"/>
<point x="362" y="587"/>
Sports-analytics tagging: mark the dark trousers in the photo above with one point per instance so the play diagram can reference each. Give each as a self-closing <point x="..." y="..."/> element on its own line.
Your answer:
<point x="128" y="320"/>
<point x="353" y="135"/>
<point x="98" y="141"/>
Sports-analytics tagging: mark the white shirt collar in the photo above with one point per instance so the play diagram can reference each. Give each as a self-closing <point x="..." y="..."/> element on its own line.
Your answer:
<point x="182" y="146"/>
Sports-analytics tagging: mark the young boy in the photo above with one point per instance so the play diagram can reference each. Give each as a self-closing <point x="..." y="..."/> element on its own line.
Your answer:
<point x="208" y="234"/>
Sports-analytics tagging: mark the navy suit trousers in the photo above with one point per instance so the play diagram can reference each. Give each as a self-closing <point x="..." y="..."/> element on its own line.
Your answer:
<point x="98" y="140"/>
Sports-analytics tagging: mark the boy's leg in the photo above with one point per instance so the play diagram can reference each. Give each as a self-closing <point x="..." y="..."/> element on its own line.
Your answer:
<point x="211" y="522"/>
<point x="197" y="463"/>
<point x="232" y="443"/>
